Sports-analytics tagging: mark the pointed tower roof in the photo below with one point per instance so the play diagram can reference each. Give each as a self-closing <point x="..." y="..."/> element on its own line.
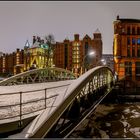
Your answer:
<point x="27" y="44"/>
<point x="97" y="31"/>
<point x="86" y="37"/>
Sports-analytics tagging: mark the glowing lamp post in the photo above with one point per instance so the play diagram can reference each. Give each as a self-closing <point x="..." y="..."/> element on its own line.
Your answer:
<point x="89" y="54"/>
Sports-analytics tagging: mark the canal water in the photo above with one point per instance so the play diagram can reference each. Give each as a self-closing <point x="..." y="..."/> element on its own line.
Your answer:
<point x="111" y="121"/>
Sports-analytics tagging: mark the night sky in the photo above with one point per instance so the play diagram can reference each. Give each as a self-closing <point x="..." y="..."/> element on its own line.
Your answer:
<point x="19" y="21"/>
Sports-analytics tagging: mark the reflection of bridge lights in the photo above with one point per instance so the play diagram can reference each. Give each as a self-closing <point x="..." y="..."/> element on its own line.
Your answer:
<point x="102" y="60"/>
<point x="116" y="76"/>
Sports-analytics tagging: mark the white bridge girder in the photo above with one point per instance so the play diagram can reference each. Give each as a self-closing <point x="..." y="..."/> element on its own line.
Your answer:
<point x="97" y="78"/>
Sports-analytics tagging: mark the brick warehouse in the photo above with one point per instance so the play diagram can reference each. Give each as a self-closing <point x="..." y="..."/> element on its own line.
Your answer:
<point x="71" y="54"/>
<point x="126" y="49"/>
<point x="68" y="54"/>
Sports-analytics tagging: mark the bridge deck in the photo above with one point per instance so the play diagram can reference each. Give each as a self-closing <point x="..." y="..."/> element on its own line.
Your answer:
<point x="91" y="87"/>
<point x="12" y="98"/>
<point x="35" y="86"/>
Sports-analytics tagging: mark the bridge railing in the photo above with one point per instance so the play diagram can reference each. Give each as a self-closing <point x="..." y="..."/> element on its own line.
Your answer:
<point x="96" y="82"/>
<point x="20" y="105"/>
<point x="38" y="76"/>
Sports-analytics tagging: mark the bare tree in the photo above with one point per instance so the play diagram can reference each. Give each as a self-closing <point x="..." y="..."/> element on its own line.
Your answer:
<point x="50" y="41"/>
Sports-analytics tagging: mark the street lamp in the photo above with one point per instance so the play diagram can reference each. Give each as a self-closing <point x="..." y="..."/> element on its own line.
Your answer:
<point x="89" y="54"/>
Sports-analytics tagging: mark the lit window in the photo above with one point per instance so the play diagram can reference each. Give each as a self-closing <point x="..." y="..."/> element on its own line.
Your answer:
<point x="121" y="65"/>
<point x="138" y="41"/>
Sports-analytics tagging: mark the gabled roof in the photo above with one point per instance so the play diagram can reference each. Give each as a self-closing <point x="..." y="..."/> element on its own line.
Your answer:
<point x="86" y="37"/>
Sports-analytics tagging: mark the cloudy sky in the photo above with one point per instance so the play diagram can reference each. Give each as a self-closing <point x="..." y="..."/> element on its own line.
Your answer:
<point x="19" y="21"/>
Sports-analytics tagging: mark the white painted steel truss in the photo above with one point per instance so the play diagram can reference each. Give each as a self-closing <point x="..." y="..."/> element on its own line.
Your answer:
<point x="39" y="76"/>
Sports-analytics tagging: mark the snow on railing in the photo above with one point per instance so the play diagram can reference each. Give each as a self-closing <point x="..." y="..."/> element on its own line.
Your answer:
<point x="20" y="105"/>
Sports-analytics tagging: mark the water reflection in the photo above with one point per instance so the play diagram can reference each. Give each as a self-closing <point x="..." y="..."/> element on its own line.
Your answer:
<point x="111" y="121"/>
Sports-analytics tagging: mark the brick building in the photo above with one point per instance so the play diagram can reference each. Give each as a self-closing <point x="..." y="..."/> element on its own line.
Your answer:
<point x="73" y="54"/>
<point x="126" y="49"/>
<point x="34" y="56"/>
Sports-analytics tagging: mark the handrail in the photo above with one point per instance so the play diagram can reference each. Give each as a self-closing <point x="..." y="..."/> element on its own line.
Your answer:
<point x="33" y="90"/>
<point x="22" y="103"/>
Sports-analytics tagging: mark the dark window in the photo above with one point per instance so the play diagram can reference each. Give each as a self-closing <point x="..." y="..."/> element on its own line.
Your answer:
<point x="138" y="30"/>
<point x="133" y="51"/>
<point x="66" y="55"/>
<point x="138" y="52"/>
<point x="128" y="30"/>
<point x="133" y="30"/>
<point x="138" y="68"/>
<point x="86" y="48"/>
<point x="128" y="41"/>
<point x="133" y="41"/>
<point x="128" y="68"/>
<point x="128" y="51"/>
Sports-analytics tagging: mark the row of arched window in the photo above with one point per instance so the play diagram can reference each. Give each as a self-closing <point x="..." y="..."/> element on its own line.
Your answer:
<point x="133" y="30"/>
<point x="128" y="68"/>
<point x="134" y="52"/>
<point x="133" y="41"/>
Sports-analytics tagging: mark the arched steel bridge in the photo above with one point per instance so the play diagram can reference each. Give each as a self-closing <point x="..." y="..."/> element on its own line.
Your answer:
<point x="25" y="95"/>
<point x="79" y="100"/>
<point x="69" y="108"/>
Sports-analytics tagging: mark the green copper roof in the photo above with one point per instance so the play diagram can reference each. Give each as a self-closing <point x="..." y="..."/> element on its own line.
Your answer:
<point x="45" y="46"/>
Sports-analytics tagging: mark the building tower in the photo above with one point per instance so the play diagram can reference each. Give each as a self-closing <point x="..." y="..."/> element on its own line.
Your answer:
<point x="76" y="54"/>
<point x="97" y="45"/>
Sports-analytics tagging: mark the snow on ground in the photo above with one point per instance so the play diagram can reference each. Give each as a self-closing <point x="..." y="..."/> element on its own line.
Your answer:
<point x="14" y="97"/>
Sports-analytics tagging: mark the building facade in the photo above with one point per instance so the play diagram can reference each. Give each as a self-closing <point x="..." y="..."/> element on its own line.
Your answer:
<point x="34" y="56"/>
<point x="74" y="54"/>
<point x="126" y="49"/>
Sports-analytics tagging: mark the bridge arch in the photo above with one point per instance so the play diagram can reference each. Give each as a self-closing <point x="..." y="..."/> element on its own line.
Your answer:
<point x="97" y="82"/>
<point x="39" y="75"/>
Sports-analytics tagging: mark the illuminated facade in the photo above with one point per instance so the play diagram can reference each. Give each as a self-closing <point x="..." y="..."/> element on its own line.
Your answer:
<point x="30" y="57"/>
<point x="126" y="49"/>
<point x="71" y="55"/>
<point x="67" y="54"/>
<point x="36" y="55"/>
